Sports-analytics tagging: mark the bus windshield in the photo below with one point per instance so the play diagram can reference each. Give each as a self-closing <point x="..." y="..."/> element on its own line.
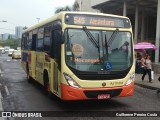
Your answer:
<point x="112" y="52"/>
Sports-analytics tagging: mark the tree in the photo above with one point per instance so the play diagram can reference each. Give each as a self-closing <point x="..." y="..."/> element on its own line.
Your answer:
<point x="25" y="27"/>
<point x="66" y="8"/>
<point x="75" y="6"/>
<point x="13" y="43"/>
<point x="9" y="36"/>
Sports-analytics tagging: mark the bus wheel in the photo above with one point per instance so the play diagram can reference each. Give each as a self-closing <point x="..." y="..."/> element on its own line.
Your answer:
<point x="46" y="83"/>
<point x="158" y="92"/>
<point x="47" y="86"/>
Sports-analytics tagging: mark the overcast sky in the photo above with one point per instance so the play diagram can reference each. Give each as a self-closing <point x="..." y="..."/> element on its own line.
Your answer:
<point x="26" y="12"/>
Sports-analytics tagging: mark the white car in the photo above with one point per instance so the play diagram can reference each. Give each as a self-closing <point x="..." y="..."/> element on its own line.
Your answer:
<point x="10" y="52"/>
<point x="2" y="51"/>
<point x="16" y="54"/>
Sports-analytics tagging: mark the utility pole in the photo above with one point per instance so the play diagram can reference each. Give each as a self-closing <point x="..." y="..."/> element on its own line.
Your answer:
<point x="38" y="19"/>
<point x="3" y="21"/>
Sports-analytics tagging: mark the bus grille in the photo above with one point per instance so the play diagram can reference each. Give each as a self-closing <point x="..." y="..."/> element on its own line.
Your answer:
<point x="94" y="94"/>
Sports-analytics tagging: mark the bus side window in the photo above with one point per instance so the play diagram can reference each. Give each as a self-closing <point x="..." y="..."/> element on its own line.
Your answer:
<point x="39" y="46"/>
<point x="47" y="39"/>
<point x="34" y="38"/>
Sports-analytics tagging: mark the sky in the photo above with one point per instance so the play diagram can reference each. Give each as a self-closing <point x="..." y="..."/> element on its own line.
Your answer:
<point x="26" y="12"/>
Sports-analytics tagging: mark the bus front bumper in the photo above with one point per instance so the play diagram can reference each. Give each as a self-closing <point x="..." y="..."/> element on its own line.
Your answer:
<point x="71" y="93"/>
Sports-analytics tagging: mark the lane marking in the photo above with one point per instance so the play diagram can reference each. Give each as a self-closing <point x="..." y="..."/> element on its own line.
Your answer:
<point x="1" y="71"/>
<point x="1" y="107"/>
<point x="6" y="89"/>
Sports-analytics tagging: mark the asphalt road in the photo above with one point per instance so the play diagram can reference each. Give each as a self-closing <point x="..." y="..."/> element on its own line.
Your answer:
<point x="19" y="95"/>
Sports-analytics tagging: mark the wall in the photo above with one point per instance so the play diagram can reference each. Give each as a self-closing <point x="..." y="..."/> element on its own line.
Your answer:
<point x="156" y="68"/>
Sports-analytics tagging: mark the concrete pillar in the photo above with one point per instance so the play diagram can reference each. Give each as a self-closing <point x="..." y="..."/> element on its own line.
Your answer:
<point x="80" y="7"/>
<point x="157" y="33"/>
<point x="142" y="26"/>
<point x="146" y="27"/>
<point x="136" y="23"/>
<point x="125" y="8"/>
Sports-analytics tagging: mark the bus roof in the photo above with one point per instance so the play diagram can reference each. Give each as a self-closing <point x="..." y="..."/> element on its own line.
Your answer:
<point x="61" y="14"/>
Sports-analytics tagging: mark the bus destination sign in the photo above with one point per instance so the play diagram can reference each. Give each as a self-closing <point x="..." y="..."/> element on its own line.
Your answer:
<point x="96" y="20"/>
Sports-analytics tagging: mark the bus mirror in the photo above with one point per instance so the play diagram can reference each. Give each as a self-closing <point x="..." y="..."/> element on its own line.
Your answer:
<point x="63" y="38"/>
<point x="57" y="25"/>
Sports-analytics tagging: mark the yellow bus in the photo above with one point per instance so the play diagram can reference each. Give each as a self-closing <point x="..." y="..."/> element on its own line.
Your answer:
<point x="81" y="55"/>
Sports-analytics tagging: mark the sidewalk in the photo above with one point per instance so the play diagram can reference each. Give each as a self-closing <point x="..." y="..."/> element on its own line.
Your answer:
<point x="154" y="85"/>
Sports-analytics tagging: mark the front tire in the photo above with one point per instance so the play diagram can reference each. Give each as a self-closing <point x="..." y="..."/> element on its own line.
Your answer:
<point x="46" y="82"/>
<point x="47" y="85"/>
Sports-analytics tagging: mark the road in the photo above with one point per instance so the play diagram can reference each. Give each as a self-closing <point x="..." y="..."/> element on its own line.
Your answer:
<point x="19" y="95"/>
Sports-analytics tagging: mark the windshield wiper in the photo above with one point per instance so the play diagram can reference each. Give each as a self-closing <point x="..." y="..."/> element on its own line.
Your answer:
<point x="114" y="34"/>
<point x="109" y="42"/>
<point x="106" y="46"/>
<point x="91" y="37"/>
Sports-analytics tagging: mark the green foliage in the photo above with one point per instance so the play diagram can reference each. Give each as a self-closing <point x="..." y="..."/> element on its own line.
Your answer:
<point x="25" y="27"/>
<point x="75" y="7"/>
<point x="66" y="8"/>
<point x="13" y="43"/>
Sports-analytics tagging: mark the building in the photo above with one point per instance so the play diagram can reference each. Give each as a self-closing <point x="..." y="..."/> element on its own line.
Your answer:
<point x="0" y="36"/>
<point x="144" y="16"/>
<point x="4" y="36"/>
<point x="12" y="36"/>
<point x="7" y="36"/>
<point x="86" y="5"/>
<point x="18" y="32"/>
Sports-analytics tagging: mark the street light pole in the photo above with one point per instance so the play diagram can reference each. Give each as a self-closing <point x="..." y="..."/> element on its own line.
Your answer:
<point x="38" y="19"/>
<point x="3" y="21"/>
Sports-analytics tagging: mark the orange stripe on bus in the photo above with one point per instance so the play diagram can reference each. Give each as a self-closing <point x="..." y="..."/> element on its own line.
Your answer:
<point x="71" y="93"/>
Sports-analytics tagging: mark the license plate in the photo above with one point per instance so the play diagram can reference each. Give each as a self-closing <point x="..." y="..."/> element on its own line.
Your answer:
<point x="104" y="96"/>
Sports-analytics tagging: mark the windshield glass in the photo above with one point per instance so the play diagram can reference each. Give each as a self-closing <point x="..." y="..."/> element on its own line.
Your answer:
<point x="111" y="54"/>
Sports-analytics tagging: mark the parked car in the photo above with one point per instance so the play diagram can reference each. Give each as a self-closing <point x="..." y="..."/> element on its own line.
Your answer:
<point x="6" y="48"/>
<point x="10" y="51"/>
<point x="2" y="51"/>
<point x="16" y="54"/>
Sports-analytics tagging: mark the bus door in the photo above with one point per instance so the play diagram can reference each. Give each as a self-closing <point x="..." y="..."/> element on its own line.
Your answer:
<point x="40" y="56"/>
<point x="33" y="55"/>
<point x="56" y="41"/>
<point x="30" y="63"/>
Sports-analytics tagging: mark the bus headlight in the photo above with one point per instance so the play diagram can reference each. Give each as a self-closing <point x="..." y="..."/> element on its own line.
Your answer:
<point x="130" y="80"/>
<point x="71" y="81"/>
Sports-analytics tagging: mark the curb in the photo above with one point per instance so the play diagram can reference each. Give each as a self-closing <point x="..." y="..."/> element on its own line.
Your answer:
<point x="146" y="86"/>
